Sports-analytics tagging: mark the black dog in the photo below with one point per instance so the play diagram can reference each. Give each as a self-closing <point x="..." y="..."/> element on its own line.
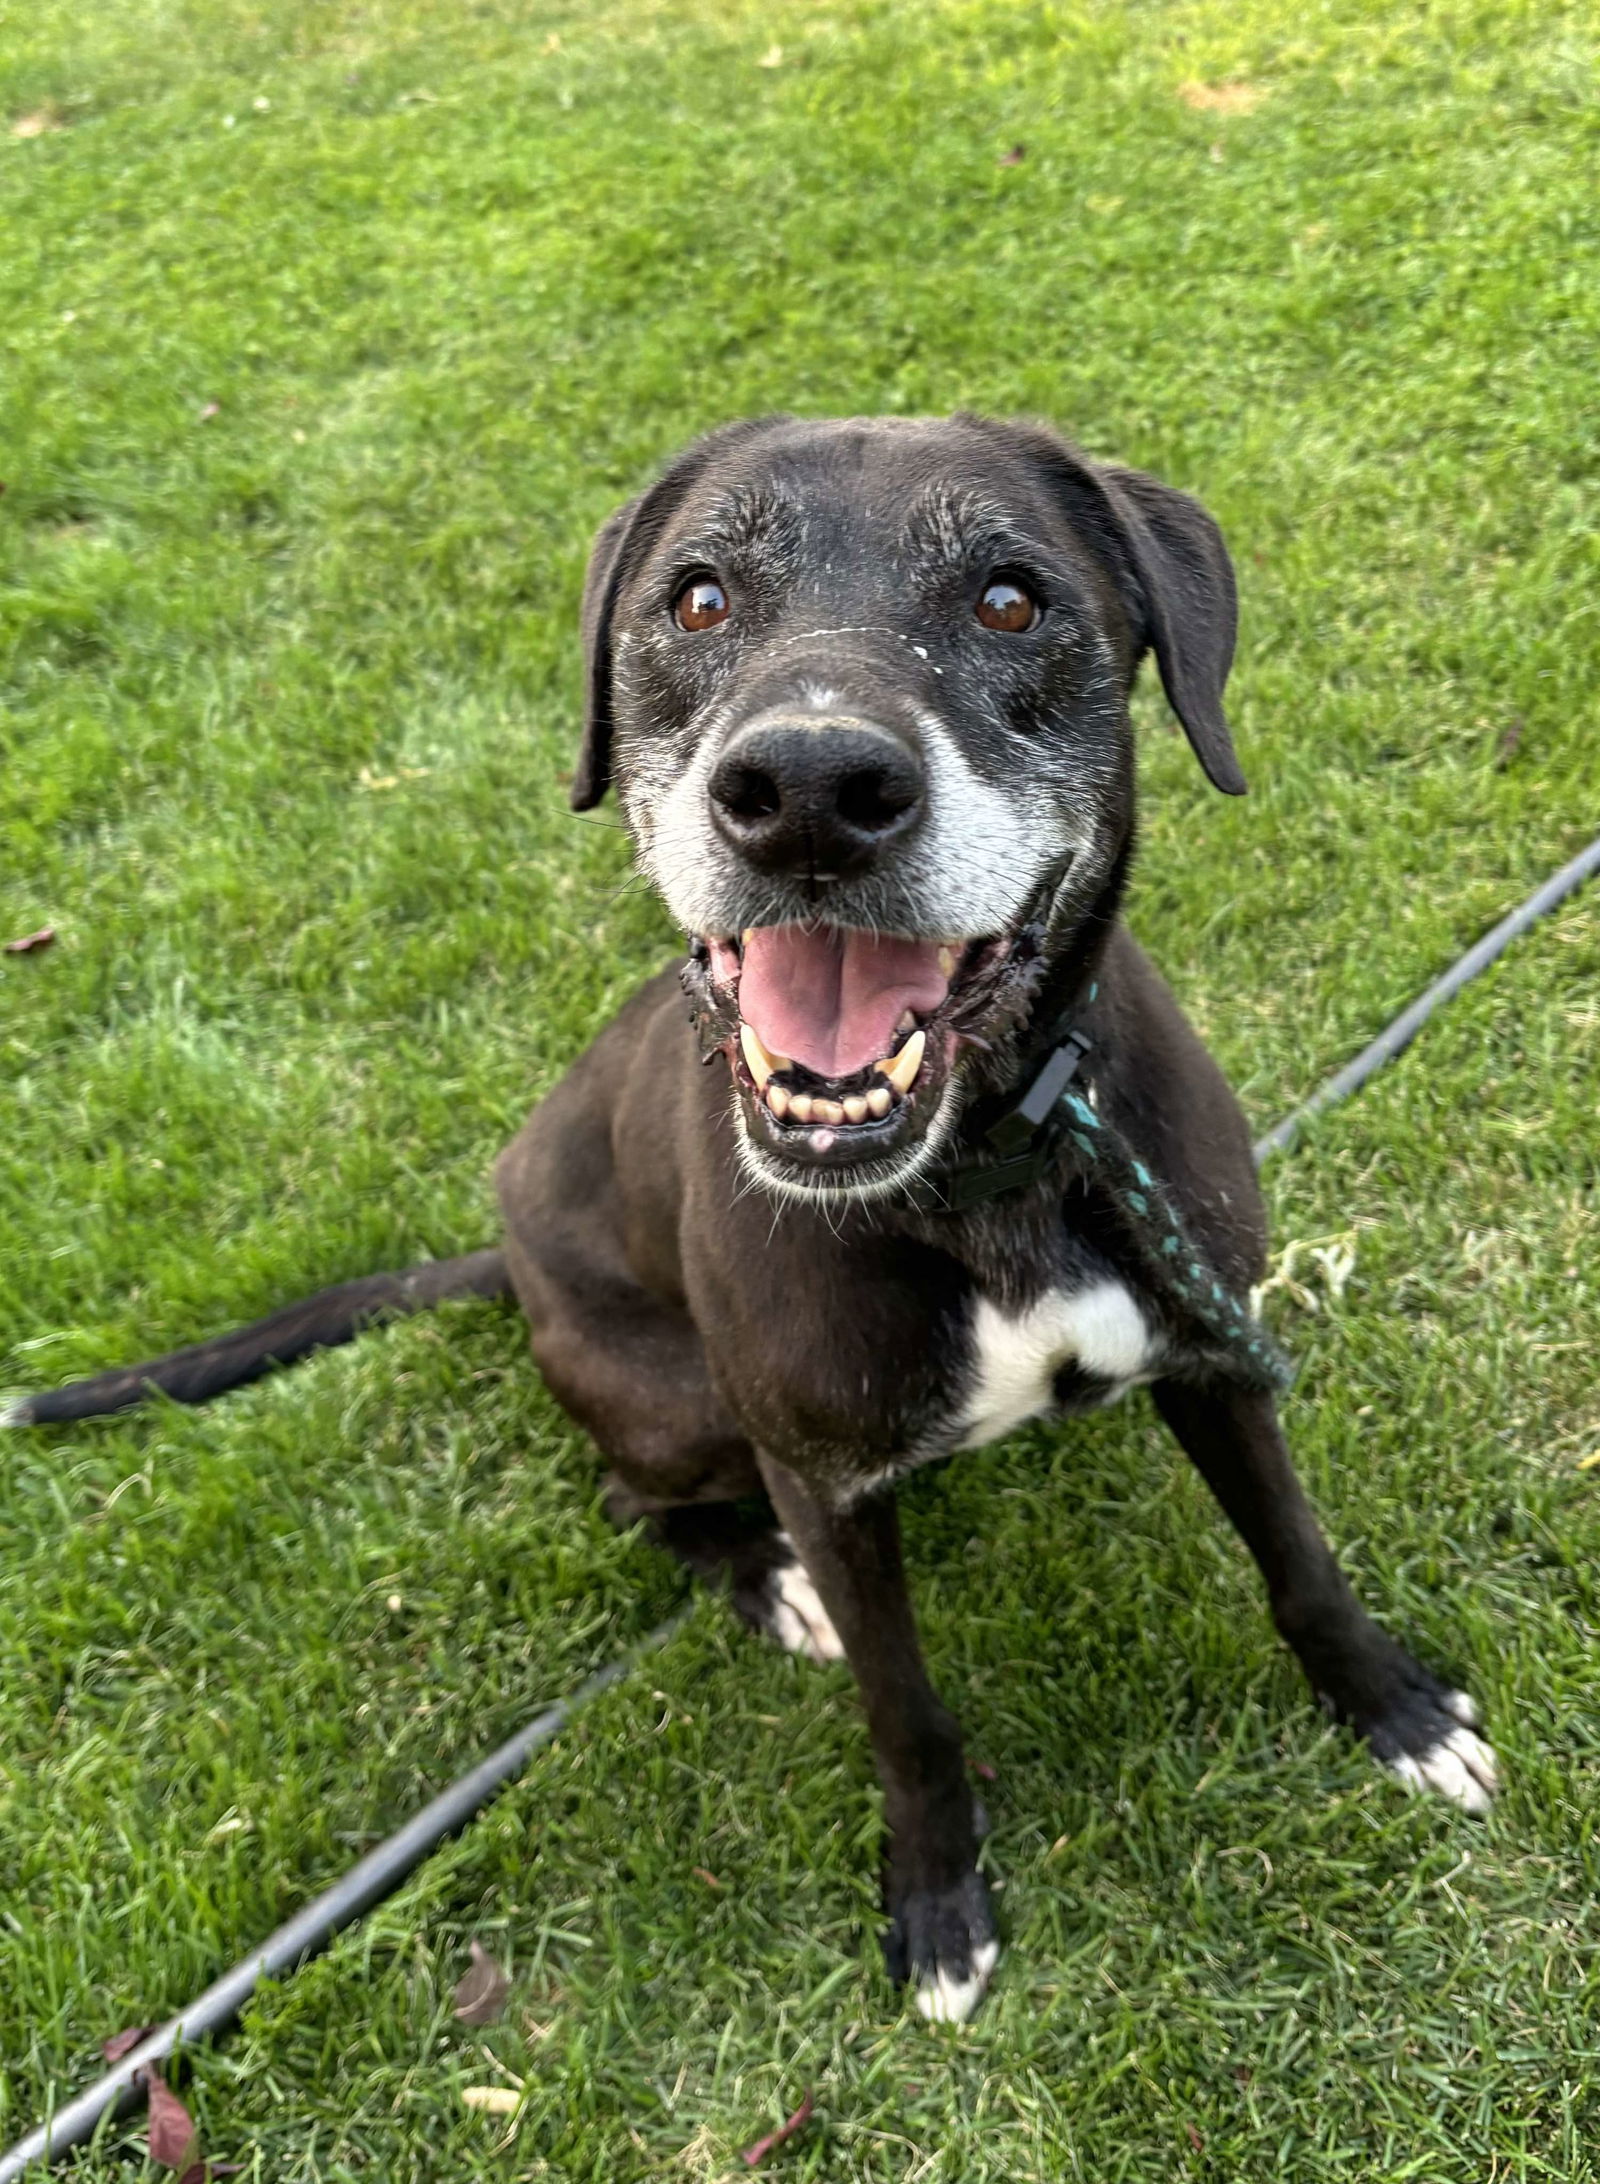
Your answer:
<point x="862" y="691"/>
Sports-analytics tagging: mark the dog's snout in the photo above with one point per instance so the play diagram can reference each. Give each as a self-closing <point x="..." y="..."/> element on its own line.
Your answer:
<point x="817" y="797"/>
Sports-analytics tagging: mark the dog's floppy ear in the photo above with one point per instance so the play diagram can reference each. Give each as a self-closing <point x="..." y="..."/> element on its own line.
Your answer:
<point x="1183" y="580"/>
<point x="592" y="774"/>
<point x="1176" y="581"/>
<point x="616" y="550"/>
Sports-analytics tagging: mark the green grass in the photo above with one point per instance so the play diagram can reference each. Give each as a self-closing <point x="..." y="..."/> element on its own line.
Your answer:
<point x="456" y="278"/>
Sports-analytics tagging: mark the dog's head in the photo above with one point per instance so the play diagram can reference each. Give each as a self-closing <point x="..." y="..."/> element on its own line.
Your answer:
<point x="862" y="689"/>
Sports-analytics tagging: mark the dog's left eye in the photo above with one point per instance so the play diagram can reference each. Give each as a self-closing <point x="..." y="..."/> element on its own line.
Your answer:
<point x="1008" y="606"/>
<point x="701" y="604"/>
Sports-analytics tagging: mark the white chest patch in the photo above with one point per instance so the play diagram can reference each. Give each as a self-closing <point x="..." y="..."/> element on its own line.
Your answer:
<point x="1016" y="1355"/>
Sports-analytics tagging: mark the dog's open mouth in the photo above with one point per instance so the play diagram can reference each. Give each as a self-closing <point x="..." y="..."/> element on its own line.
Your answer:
<point x="842" y="1041"/>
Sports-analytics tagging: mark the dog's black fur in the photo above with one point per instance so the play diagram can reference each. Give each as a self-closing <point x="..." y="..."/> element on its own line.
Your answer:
<point x="763" y="1318"/>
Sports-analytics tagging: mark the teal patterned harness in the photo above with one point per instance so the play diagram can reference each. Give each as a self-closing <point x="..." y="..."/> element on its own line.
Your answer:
<point x="1170" y="1266"/>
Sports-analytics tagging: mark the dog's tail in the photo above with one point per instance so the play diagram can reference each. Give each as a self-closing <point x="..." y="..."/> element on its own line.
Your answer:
<point x="332" y="1316"/>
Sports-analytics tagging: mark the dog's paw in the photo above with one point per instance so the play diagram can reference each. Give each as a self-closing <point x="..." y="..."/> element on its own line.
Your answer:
<point x="1427" y="1736"/>
<point x="943" y="1942"/>
<point x="791" y="1611"/>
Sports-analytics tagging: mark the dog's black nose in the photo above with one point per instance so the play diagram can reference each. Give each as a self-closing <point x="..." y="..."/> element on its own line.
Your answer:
<point x="815" y="797"/>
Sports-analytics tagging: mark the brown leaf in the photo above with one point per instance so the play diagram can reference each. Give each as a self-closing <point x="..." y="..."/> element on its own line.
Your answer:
<point x="120" y="2043"/>
<point x="1014" y="158"/>
<point x="43" y="938"/>
<point x="984" y="1771"/>
<point x="45" y="122"/>
<point x="701" y="1874"/>
<point x="172" y="2132"/>
<point x="1195" y="2140"/>
<point x="1232" y="97"/>
<point x="481" y="1990"/>
<point x="754" y="2155"/>
<point x="208" y="410"/>
<point x="1507" y="748"/>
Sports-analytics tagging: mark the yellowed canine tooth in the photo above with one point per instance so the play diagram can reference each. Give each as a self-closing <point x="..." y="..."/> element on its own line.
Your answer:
<point x="879" y="1101"/>
<point x="901" y="1068"/>
<point x="762" y="1064"/>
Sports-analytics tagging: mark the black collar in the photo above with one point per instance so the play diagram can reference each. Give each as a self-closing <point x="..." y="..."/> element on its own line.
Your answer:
<point x="1015" y="1146"/>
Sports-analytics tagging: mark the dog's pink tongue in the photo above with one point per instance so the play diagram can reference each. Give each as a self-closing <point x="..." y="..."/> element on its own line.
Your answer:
<point x="831" y="996"/>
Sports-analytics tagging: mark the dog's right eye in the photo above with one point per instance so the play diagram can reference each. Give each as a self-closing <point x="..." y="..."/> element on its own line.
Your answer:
<point x="701" y="604"/>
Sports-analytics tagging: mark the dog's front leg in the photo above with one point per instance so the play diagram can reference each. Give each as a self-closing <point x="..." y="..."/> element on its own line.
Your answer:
<point x="942" y="1930"/>
<point x="1420" y="1728"/>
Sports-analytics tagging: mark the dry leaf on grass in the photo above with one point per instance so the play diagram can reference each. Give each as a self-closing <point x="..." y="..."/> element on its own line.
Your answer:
<point x="772" y="58"/>
<point x="701" y="1874"/>
<point x="482" y="1989"/>
<point x="753" y="2155"/>
<point x="124" y="2043"/>
<point x="28" y="943"/>
<point x="1232" y="97"/>
<point x="1014" y="158"/>
<point x="494" y="2100"/>
<point x="43" y="123"/>
<point x="172" y="2132"/>
<point x="172" y="2138"/>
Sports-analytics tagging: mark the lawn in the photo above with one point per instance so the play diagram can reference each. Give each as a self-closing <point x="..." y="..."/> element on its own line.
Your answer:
<point x="328" y="334"/>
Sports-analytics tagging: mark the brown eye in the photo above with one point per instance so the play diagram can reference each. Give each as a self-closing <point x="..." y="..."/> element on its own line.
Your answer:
<point x="701" y="604"/>
<point x="1007" y="606"/>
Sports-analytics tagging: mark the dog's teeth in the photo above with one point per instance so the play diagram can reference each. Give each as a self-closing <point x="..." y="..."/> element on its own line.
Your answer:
<point x="855" y="1108"/>
<point x="949" y="957"/>
<point x="901" y="1068"/>
<point x="907" y="1021"/>
<point x="778" y="1100"/>
<point x="761" y="1063"/>
<point x="828" y="1111"/>
<point x="800" y="1106"/>
<point x="755" y="1055"/>
<point x="879" y="1101"/>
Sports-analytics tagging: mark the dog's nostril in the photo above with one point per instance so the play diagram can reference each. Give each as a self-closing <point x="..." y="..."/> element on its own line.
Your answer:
<point x="873" y="798"/>
<point x="745" y="792"/>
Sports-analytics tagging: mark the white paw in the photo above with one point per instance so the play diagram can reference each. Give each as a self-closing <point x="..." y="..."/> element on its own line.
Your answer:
<point x="797" y="1619"/>
<point x="947" y="2001"/>
<point x="1461" y="1766"/>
